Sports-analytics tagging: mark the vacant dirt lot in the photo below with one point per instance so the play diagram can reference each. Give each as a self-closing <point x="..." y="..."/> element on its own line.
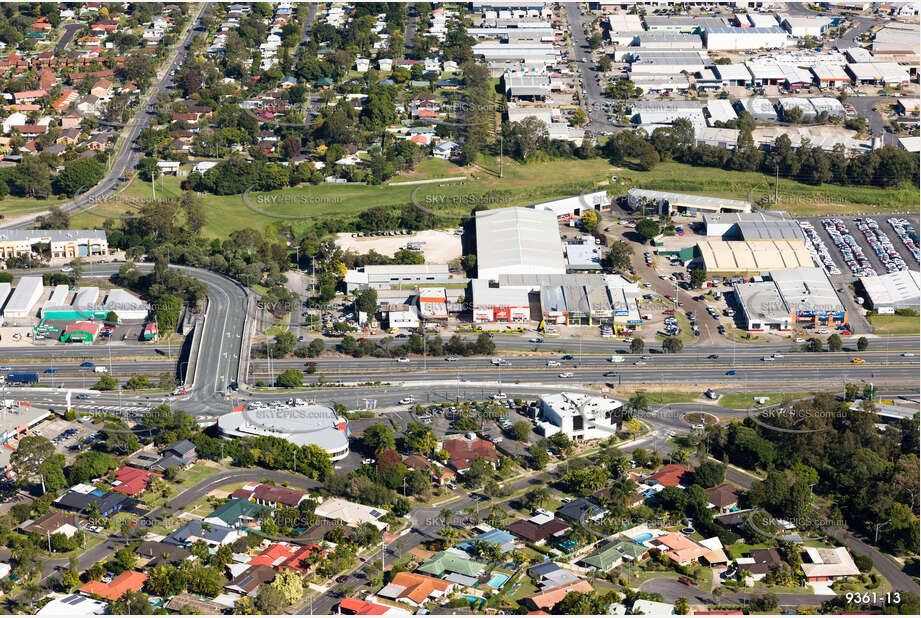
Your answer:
<point x="439" y="246"/>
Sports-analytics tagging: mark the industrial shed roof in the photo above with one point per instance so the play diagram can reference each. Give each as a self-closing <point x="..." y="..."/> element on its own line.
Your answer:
<point x="770" y="230"/>
<point x="807" y="289"/>
<point x="733" y="72"/>
<point x="898" y="289"/>
<point x="754" y="255"/>
<point x="521" y="240"/>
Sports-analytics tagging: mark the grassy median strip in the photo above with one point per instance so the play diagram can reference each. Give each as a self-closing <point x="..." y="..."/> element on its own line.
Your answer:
<point x="895" y="325"/>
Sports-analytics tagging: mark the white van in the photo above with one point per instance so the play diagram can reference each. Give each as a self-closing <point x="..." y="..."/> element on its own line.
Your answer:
<point x="616" y="359"/>
<point x="767" y="358"/>
<point x="100" y="369"/>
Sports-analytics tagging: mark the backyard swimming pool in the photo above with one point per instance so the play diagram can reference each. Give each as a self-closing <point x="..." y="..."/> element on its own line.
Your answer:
<point x="473" y="599"/>
<point x="640" y="538"/>
<point x="497" y="580"/>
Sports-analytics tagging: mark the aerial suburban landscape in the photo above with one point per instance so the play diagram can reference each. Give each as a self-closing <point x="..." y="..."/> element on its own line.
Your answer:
<point x="468" y="308"/>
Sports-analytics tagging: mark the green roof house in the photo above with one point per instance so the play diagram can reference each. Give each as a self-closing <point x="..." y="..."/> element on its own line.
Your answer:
<point x="613" y="553"/>
<point x="452" y="561"/>
<point x="325" y="82"/>
<point x="234" y="513"/>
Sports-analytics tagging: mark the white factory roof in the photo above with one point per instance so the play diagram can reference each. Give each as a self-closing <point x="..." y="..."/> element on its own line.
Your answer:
<point x="623" y="22"/>
<point x="583" y="257"/>
<point x="733" y="72"/>
<point x="759" y="107"/>
<point x="762" y="20"/>
<point x="518" y="240"/>
<point x="765" y="69"/>
<point x="754" y="255"/>
<point x="301" y="425"/>
<point x="825" y="72"/>
<point x="86" y="297"/>
<point x="486" y="296"/>
<point x="664" y="106"/>
<point x="788" y="103"/>
<point x="119" y="298"/>
<point x="827" y="104"/>
<point x="686" y="199"/>
<point x="761" y="300"/>
<point x="892" y="72"/>
<point x="864" y="71"/>
<point x="5" y="289"/>
<point x="572" y="404"/>
<point x="858" y="54"/>
<point x="568" y="205"/>
<point x="806" y="289"/>
<point x="806" y="21"/>
<point x="25" y="295"/>
<point x="898" y="288"/>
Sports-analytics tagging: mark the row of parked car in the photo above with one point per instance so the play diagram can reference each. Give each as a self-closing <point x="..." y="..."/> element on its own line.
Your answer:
<point x="818" y="249"/>
<point x="852" y="253"/>
<point x="880" y="243"/>
<point x="906" y="232"/>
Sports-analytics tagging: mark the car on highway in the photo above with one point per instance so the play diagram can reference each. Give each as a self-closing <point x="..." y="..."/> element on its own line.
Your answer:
<point x="451" y="359"/>
<point x="82" y="396"/>
<point x="50" y="370"/>
<point x="553" y="363"/>
<point x="87" y="364"/>
<point x="610" y="374"/>
<point x="407" y="400"/>
<point x="566" y="357"/>
<point x="566" y="374"/>
<point x="731" y="372"/>
<point x="402" y="359"/>
<point x="639" y="363"/>
<point x="858" y="361"/>
<point x="536" y="340"/>
<point x="799" y="340"/>
<point x="713" y="356"/>
<point x="908" y="354"/>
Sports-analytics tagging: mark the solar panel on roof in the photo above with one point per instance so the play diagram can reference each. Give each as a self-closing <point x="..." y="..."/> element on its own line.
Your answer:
<point x="376" y="513"/>
<point x="246" y="580"/>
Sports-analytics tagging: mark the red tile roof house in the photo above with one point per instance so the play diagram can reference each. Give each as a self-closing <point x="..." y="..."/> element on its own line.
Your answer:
<point x="462" y="453"/>
<point x="356" y="607"/>
<point x="546" y="599"/>
<point x="270" y="495"/>
<point x="113" y="591"/>
<point x="31" y="130"/>
<point x="132" y="481"/>
<point x="27" y="96"/>
<point x="670" y="475"/>
<point x="101" y="88"/>
<point x="439" y="473"/>
<point x="287" y="556"/>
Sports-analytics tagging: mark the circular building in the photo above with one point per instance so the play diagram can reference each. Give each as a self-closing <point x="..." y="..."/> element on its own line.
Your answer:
<point x="301" y="425"/>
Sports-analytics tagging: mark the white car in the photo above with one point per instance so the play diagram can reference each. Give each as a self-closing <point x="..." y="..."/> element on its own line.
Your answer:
<point x="566" y="374"/>
<point x="67" y="269"/>
<point x="822" y="331"/>
<point x="402" y="359"/>
<point x="799" y="340"/>
<point x="616" y="359"/>
<point x="407" y="400"/>
<point x="776" y="355"/>
<point x="451" y="359"/>
<point x="639" y="363"/>
<point x="908" y="353"/>
<point x="553" y="363"/>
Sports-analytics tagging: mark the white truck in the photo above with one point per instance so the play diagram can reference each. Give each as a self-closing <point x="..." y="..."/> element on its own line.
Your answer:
<point x="616" y="359"/>
<point x="100" y="369"/>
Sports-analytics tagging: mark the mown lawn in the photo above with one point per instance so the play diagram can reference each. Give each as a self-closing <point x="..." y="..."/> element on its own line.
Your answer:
<point x="741" y="401"/>
<point x="894" y="325"/>
<point x="521" y="184"/>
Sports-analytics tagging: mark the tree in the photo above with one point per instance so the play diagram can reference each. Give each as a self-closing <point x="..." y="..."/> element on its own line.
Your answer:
<point x="812" y="344"/>
<point x="522" y="431"/>
<point x="604" y="63"/>
<point x="590" y="221"/>
<point x="638" y="402"/>
<point x="698" y="276"/>
<point x="290" y="378"/>
<point x="379" y="437"/>
<point x="672" y="344"/>
<point x="862" y="344"/>
<point x="31" y="454"/>
<point x="619" y="256"/>
<point x="709" y="474"/>
<point x="166" y="311"/>
<point x="131" y="603"/>
<point x="290" y="585"/>
<point x="681" y="606"/>
<point x="367" y="301"/>
<point x="637" y="346"/>
<point x="270" y="600"/>
<point x="834" y="343"/>
<point x="316" y="347"/>
<point x="647" y="228"/>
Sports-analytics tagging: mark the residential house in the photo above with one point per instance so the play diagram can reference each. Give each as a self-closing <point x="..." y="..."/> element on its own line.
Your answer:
<point x="612" y="554"/>
<point x="89" y="105"/>
<point x="46" y="79"/>
<point x="462" y="453"/>
<point x="132" y="481"/>
<point x="270" y="495"/>
<point x="546" y="599"/>
<point x="53" y="522"/>
<point x="440" y="474"/>
<point x="724" y="498"/>
<point x="235" y="513"/>
<point x="216" y="536"/>
<point x="505" y="541"/>
<point x="353" y="514"/>
<point x="31" y="130"/>
<point x="539" y="528"/>
<point x="829" y="564"/>
<point x="288" y="556"/>
<point x="549" y="575"/>
<point x="247" y="583"/>
<point x="759" y="562"/>
<point x="114" y="590"/>
<point x="445" y="150"/>
<point x="101" y="88"/>
<point x="581" y="509"/>
<point x="71" y="119"/>
<point x="107" y="503"/>
<point x="679" y="548"/>
<point x="670" y="475"/>
<point x="350" y="606"/>
<point x="416" y="589"/>
<point x="156" y="553"/>
<point x="652" y="608"/>
<point x="67" y="97"/>
<point x="180" y="453"/>
<point x="28" y="96"/>
<point x="454" y="563"/>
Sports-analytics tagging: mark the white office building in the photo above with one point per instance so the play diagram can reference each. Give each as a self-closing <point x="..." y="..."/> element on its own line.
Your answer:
<point x="579" y="416"/>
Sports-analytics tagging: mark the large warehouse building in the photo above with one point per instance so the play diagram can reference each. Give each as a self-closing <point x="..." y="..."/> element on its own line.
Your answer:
<point x="662" y="202"/>
<point x="301" y="425"/>
<point x="497" y="304"/>
<point x="753" y="256"/>
<point x="898" y="290"/>
<point x="765" y="225"/>
<point x="22" y="301"/>
<point x="728" y="37"/>
<point x="518" y="241"/>
<point x="801" y="296"/>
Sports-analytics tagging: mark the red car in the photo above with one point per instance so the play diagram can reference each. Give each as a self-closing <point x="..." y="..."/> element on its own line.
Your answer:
<point x="668" y="312"/>
<point x="685" y="581"/>
<point x="846" y="332"/>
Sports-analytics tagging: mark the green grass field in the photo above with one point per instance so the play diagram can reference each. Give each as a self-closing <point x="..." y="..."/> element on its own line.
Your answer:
<point x="894" y="325"/>
<point x="741" y="401"/>
<point x="520" y="185"/>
